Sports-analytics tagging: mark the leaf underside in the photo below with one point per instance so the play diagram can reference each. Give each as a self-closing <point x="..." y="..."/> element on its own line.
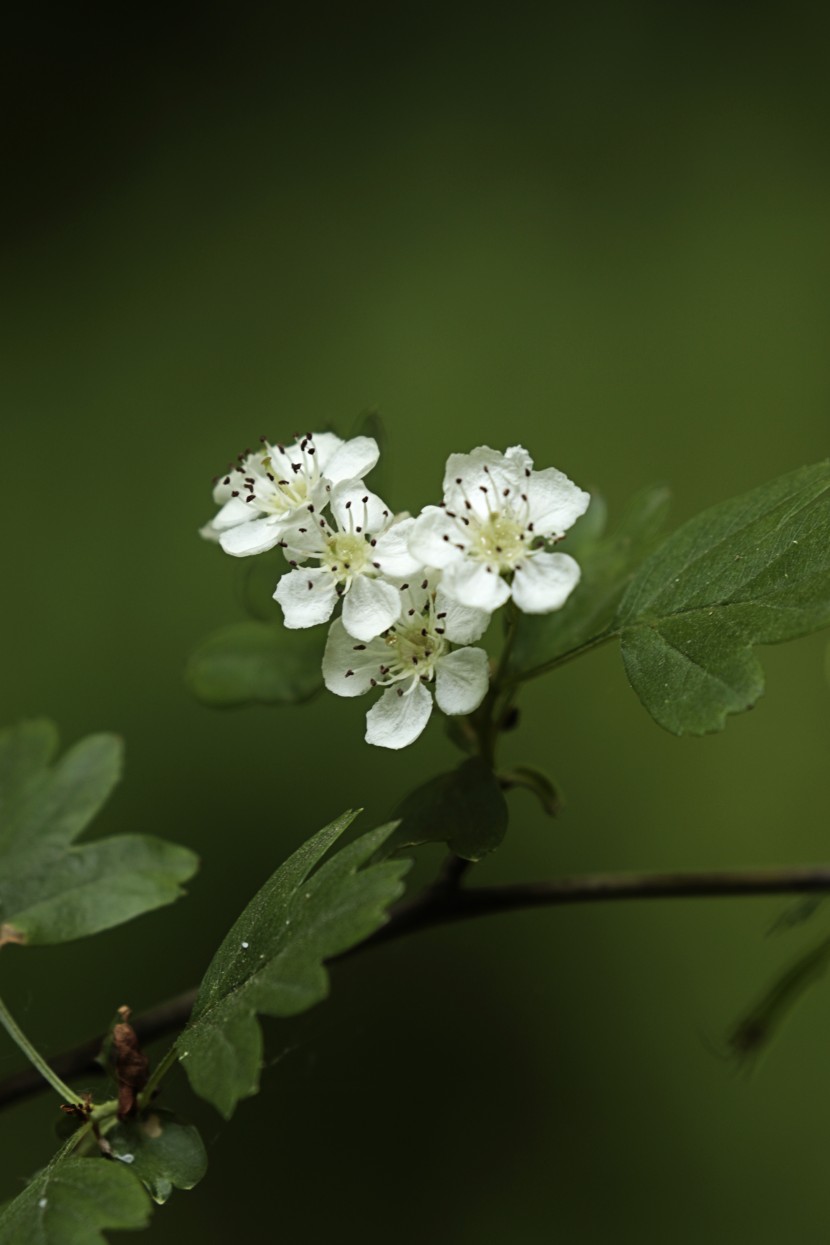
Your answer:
<point x="464" y="808"/>
<point x="52" y="890"/>
<point x="251" y="663"/>
<point x="753" y="570"/>
<point x="272" y="961"/>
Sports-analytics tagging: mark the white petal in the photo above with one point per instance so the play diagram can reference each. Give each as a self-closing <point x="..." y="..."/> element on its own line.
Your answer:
<point x="542" y="583"/>
<point x="307" y="597"/>
<point x="392" y="551"/>
<point x="399" y="716"/>
<point x="370" y="607"/>
<point x="519" y="460"/>
<point x="209" y="532"/>
<point x="235" y="510"/>
<point x="434" y="538"/>
<point x="253" y="537"/>
<point x="478" y="480"/>
<point x="326" y="445"/>
<point x="554" y="502"/>
<point x="348" y="667"/>
<point x="307" y="540"/>
<point x="461" y="680"/>
<point x="461" y="624"/>
<point x="473" y="585"/>
<point x="351" y="460"/>
<point x="356" y="509"/>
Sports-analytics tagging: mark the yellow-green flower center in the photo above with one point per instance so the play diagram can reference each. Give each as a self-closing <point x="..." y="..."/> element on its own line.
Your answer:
<point x="498" y="539"/>
<point x="346" y="554"/>
<point x="416" y="648"/>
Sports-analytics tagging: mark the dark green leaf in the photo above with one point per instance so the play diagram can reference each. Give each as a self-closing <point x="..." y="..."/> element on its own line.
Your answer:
<point x="50" y="890"/>
<point x="72" y="1201"/>
<point x="164" y="1152"/>
<point x="257" y="663"/>
<point x="537" y="782"/>
<point x="754" y="570"/>
<point x="464" y="808"/>
<point x="272" y="960"/>
<point x="759" y="1026"/>
<point x="607" y="564"/>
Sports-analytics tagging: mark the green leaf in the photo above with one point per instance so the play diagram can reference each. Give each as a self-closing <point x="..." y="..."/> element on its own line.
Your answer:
<point x="271" y="962"/>
<point x="753" y="570"/>
<point x="257" y="663"/>
<point x="164" y="1152"/>
<point x="255" y="581"/>
<point x="72" y="1201"/>
<point x="755" y="1030"/>
<point x="607" y="564"/>
<point x="537" y="782"/>
<point x="50" y="890"/>
<point x="464" y="808"/>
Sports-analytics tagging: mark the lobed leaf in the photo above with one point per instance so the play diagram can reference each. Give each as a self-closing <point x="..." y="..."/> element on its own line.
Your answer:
<point x="256" y="663"/>
<point x="50" y="889"/>
<point x="72" y="1201"/>
<point x="752" y="570"/>
<point x="163" y="1151"/>
<point x="272" y="961"/>
<point x="464" y="808"/>
<point x="607" y="563"/>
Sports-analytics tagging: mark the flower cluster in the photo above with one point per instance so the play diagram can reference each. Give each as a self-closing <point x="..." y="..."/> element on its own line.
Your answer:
<point x="415" y="593"/>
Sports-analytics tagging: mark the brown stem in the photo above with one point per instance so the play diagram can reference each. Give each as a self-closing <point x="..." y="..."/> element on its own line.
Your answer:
<point x="447" y="901"/>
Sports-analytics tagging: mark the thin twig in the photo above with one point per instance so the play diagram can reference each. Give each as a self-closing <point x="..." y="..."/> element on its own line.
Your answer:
<point x="446" y="901"/>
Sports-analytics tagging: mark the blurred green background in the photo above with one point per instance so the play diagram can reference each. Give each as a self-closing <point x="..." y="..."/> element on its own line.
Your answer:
<point x="601" y="231"/>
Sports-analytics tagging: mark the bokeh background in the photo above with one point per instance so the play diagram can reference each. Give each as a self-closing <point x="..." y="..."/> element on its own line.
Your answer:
<point x="598" y="230"/>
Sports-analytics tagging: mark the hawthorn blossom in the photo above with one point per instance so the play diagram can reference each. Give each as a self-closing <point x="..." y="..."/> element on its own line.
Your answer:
<point x="366" y="543"/>
<point x="273" y="485"/>
<point x="489" y="537"/>
<point x="416" y="651"/>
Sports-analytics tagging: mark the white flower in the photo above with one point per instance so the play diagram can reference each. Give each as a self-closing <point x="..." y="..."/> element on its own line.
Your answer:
<point x="274" y="484"/>
<point x="415" y="652"/>
<point x="366" y="543"/>
<point x="497" y="515"/>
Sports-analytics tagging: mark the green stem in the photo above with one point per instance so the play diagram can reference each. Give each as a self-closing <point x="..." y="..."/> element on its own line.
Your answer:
<point x="595" y="642"/>
<point x="19" y="1037"/>
<point x="485" y="719"/>
<point x="159" y="1073"/>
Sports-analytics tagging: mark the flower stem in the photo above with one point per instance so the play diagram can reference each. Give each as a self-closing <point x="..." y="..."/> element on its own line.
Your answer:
<point x="537" y="671"/>
<point x="19" y="1037"/>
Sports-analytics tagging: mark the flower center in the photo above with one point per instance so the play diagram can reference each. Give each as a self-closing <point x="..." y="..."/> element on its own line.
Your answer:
<point x="347" y="554"/>
<point x="416" y="649"/>
<point x="498" y="539"/>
